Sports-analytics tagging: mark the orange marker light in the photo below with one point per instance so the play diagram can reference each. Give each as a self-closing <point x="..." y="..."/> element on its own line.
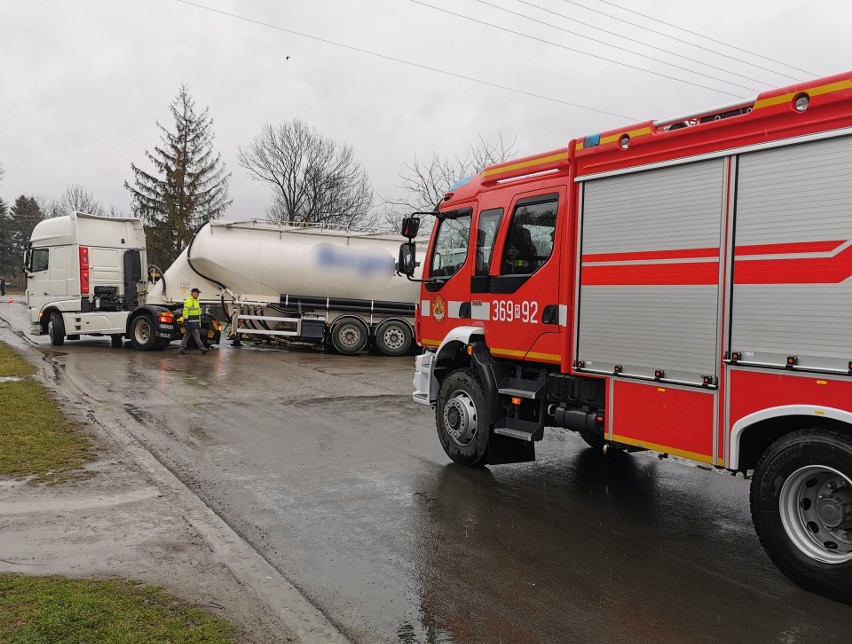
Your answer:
<point x="516" y="400"/>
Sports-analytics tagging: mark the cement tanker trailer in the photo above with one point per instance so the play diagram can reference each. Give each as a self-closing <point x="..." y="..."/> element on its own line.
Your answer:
<point x="85" y="277"/>
<point x="298" y="283"/>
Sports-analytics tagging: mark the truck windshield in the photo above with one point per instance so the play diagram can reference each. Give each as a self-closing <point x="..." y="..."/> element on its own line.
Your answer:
<point x="450" y="250"/>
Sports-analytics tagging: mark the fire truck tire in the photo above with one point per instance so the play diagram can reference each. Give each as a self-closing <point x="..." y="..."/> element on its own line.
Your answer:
<point x="460" y="418"/>
<point x="801" y="504"/>
<point x="56" y="329"/>
<point x="394" y="338"/>
<point x="349" y="336"/>
<point x="142" y="333"/>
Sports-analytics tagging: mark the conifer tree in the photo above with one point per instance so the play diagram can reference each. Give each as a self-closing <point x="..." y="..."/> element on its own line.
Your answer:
<point x="16" y="226"/>
<point x="189" y="184"/>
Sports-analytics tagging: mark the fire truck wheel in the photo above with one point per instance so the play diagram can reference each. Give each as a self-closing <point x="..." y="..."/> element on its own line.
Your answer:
<point x="56" y="329"/>
<point x="460" y="416"/>
<point x="142" y="333"/>
<point x="801" y="504"/>
<point x="349" y="336"/>
<point x="393" y="338"/>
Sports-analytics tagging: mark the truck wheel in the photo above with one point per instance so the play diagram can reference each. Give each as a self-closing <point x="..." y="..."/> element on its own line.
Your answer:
<point x="56" y="329"/>
<point x="142" y="333"/>
<point x="349" y="336"/>
<point x="393" y="338"/>
<point x="116" y="341"/>
<point x="801" y="504"/>
<point x="460" y="417"/>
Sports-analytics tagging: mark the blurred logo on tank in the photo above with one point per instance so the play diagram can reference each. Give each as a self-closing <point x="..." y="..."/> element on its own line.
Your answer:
<point x="366" y="262"/>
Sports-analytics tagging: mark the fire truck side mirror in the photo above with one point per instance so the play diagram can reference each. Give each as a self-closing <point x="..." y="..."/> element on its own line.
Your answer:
<point x="407" y="260"/>
<point x="410" y="227"/>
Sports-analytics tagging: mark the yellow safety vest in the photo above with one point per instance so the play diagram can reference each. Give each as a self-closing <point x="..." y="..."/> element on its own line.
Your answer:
<point x="192" y="310"/>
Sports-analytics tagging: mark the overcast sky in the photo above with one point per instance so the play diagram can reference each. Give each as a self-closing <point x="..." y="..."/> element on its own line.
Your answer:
<point x="82" y="82"/>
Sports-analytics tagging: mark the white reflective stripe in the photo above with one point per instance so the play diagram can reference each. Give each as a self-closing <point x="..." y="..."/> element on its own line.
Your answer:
<point x="481" y="311"/>
<point x="425" y="308"/>
<point x="454" y="309"/>
<point x="563" y="315"/>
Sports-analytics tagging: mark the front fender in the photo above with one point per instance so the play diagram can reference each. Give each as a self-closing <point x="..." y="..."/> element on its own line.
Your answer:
<point x="426" y="385"/>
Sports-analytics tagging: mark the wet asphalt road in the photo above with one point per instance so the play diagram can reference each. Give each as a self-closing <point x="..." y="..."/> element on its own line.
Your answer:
<point x="328" y="469"/>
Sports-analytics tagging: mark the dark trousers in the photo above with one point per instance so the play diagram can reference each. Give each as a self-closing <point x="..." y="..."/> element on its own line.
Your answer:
<point x="191" y="330"/>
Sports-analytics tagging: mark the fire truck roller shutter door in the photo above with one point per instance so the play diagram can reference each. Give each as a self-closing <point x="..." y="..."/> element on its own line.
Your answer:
<point x="792" y="293"/>
<point x="649" y="280"/>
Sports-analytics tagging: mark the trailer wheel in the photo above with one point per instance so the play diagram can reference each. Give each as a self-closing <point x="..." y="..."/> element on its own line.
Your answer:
<point x="801" y="504"/>
<point x="349" y="336"/>
<point x="56" y="329"/>
<point x="460" y="418"/>
<point x="142" y="333"/>
<point x="394" y="338"/>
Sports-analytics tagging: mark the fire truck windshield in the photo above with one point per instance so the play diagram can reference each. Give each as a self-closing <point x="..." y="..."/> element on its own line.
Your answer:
<point x="450" y="249"/>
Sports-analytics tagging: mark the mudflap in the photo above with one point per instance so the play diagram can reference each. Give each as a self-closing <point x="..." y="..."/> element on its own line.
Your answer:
<point x="504" y="449"/>
<point x="501" y="449"/>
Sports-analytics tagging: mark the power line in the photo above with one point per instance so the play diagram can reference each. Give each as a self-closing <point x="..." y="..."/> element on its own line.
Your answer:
<point x="578" y="51"/>
<point x="745" y="51"/>
<point x="405" y="62"/>
<point x="628" y="38"/>
<point x="687" y="42"/>
<point x="603" y="42"/>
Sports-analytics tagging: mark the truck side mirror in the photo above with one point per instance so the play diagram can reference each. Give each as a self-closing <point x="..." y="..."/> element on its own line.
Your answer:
<point x="407" y="261"/>
<point x="410" y="227"/>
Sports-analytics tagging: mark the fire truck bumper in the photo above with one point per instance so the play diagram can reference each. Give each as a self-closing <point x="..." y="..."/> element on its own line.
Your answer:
<point x="425" y="385"/>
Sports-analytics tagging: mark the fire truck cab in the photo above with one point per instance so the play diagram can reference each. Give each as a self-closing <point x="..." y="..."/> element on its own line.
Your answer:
<point x="683" y="286"/>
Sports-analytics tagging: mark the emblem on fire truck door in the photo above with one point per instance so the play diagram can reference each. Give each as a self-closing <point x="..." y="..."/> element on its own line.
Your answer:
<point x="439" y="308"/>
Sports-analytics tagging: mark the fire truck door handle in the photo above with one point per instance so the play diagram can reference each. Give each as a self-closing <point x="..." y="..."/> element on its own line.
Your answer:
<point x="550" y="315"/>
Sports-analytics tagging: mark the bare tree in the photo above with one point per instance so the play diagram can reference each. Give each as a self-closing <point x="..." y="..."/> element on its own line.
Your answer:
<point x="75" y="198"/>
<point x="314" y="179"/>
<point x="426" y="182"/>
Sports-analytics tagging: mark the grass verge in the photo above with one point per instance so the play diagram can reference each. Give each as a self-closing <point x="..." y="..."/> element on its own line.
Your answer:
<point x="36" y="440"/>
<point x="57" y="609"/>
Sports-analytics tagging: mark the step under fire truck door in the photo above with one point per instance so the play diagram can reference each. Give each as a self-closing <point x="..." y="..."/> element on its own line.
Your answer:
<point x="648" y="302"/>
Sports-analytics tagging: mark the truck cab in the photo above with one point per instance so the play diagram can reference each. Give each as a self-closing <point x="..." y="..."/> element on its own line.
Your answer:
<point x="84" y="273"/>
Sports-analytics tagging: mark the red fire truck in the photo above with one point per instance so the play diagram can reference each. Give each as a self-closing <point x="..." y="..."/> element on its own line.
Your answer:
<point x="683" y="286"/>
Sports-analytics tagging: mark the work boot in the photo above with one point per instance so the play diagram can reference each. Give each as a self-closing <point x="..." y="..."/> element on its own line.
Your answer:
<point x="204" y="351"/>
<point x="181" y="351"/>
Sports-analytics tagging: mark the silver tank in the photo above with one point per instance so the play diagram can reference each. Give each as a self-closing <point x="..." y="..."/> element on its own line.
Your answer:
<point x="259" y="262"/>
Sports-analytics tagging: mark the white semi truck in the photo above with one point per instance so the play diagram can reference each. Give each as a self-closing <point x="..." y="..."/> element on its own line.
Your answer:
<point x="86" y="276"/>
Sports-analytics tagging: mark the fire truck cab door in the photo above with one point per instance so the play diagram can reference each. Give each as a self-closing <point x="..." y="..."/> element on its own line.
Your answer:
<point x="523" y="286"/>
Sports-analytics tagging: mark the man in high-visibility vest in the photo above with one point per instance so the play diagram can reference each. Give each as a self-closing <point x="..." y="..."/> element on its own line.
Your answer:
<point x="192" y="318"/>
